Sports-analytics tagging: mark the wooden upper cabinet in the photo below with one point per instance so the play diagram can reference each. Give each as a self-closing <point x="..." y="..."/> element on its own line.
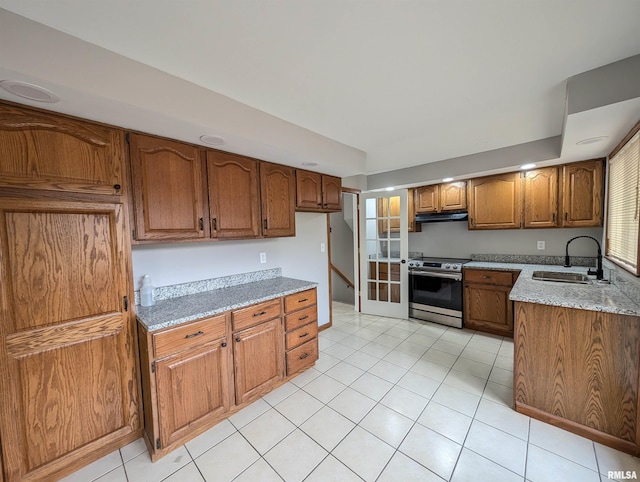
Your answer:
<point x="69" y="351"/>
<point x="413" y="227"/>
<point x="167" y="189"/>
<point x="582" y="193"/>
<point x="453" y="196"/>
<point x="441" y="197"/>
<point x="540" y="191"/>
<point x="308" y="190"/>
<point x="234" y="197"/>
<point x="46" y="151"/>
<point x="427" y="199"/>
<point x="277" y="192"/>
<point x="331" y="193"/>
<point x="318" y="192"/>
<point x="494" y="202"/>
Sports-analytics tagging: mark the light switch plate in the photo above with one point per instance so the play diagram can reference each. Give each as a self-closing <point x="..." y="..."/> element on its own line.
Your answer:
<point x="263" y="258"/>
<point x="541" y="245"/>
<point x="323" y="247"/>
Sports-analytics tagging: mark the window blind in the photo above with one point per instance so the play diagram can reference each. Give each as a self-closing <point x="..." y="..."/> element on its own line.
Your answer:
<point x="623" y="216"/>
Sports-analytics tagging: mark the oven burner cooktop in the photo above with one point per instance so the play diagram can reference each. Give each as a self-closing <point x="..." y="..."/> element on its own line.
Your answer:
<point x="437" y="264"/>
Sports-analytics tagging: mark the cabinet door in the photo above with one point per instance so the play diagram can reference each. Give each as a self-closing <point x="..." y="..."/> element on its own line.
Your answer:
<point x="541" y="198"/>
<point x="46" y="151"/>
<point x="168" y="189"/>
<point x="488" y="308"/>
<point x="234" y="200"/>
<point x="453" y="196"/>
<point x="68" y="347"/>
<point x="277" y="191"/>
<point x="427" y="199"/>
<point x="308" y="190"/>
<point x="258" y="354"/>
<point x="192" y="387"/>
<point x="411" y="213"/>
<point x="582" y="196"/>
<point x="331" y="193"/>
<point x="494" y="202"/>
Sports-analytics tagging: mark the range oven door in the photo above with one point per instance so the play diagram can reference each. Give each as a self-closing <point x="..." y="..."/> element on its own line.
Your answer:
<point x="436" y="296"/>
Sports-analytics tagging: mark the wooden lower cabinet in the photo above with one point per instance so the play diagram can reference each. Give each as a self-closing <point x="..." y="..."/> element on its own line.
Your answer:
<point x="486" y="301"/>
<point x="579" y="370"/>
<point x="68" y="371"/>
<point x="258" y="359"/>
<point x="198" y="373"/>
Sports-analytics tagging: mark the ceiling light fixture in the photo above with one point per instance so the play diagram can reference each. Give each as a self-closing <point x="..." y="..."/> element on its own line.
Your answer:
<point x="527" y="166"/>
<point x="212" y="140"/>
<point x="29" y="91"/>
<point x="591" y="140"/>
<point x="447" y="179"/>
<point x="310" y="164"/>
<point x="389" y="188"/>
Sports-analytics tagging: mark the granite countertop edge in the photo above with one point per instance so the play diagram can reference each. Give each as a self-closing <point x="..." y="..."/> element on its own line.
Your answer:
<point x="596" y="296"/>
<point x="176" y="311"/>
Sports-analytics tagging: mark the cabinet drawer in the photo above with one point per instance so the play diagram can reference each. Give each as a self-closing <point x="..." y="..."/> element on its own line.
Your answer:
<point x="255" y="314"/>
<point x="504" y="278"/>
<point x="301" y="335"/>
<point x="300" y="300"/>
<point x="302" y="317"/>
<point x="302" y="357"/>
<point x="190" y="335"/>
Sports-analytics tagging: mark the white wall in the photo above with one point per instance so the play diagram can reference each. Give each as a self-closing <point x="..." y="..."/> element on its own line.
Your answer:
<point x="299" y="257"/>
<point x="453" y="239"/>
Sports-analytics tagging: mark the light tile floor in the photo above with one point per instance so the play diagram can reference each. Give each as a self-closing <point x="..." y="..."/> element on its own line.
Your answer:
<point x="388" y="400"/>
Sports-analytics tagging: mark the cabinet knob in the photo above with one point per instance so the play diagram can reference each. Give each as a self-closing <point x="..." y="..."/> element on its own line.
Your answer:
<point x="117" y="187"/>
<point x="224" y="344"/>
<point x="238" y="339"/>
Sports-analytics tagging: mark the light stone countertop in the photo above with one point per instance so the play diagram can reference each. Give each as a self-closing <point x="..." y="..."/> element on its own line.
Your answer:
<point x="179" y="310"/>
<point x="593" y="297"/>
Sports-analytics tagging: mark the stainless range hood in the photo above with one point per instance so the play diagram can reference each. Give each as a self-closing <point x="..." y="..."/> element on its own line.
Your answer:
<point x="441" y="217"/>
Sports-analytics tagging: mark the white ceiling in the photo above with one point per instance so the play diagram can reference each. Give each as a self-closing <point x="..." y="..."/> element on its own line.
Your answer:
<point x="407" y="82"/>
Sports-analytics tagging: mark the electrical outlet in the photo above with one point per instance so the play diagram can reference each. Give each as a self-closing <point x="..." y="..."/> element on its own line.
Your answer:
<point x="263" y="258"/>
<point x="541" y="245"/>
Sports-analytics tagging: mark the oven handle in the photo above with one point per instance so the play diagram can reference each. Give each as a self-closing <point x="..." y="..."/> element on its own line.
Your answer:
<point x="433" y="274"/>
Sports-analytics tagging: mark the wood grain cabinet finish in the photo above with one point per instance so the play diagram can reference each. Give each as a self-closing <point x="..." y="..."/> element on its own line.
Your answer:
<point x="412" y="226"/>
<point x="582" y="193"/>
<point x="453" y="196"/>
<point x="277" y="191"/>
<point x="186" y="379"/>
<point x="540" y="192"/>
<point x="301" y="324"/>
<point x="427" y="199"/>
<point x="167" y="189"/>
<point x="578" y="370"/>
<point x="234" y="196"/>
<point x="44" y="151"/>
<point x="317" y="192"/>
<point x="495" y="202"/>
<point x="486" y="301"/>
<point x="68" y="391"/>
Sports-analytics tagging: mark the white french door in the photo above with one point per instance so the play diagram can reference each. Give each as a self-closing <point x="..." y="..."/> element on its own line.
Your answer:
<point x="383" y="254"/>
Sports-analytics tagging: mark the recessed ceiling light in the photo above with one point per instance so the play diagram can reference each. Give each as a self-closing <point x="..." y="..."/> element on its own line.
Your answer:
<point x="29" y="91"/>
<point x="310" y="164"/>
<point x="591" y="140"/>
<point x="527" y="166"/>
<point x="447" y="179"/>
<point x="212" y="140"/>
<point x="389" y="188"/>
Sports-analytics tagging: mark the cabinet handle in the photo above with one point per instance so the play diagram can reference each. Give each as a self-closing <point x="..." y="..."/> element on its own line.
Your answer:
<point x="238" y="339"/>
<point x="553" y="217"/>
<point x="319" y="204"/>
<point x="260" y="314"/>
<point x="486" y="277"/>
<point x="304" y="356"/>
<point x="201" y="224"/>
<point x="303" y="300"/>
<point x="193" y="335"/>
<point x="214" y="224"/>
<point x="303" y="335"/>
<point x="266" y="224"/>
<point x="566" y="216"/>
<point x="117" y="187"/>
<point x="303" y="317"/>
<point x="472" y="222"/>
<point x="224" y="344"/>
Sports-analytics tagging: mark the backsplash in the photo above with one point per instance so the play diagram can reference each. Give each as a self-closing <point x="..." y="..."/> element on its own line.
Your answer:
<point x="628" y="283"/>
<point x="534" y="259"/>
<point x="193" y="287"/>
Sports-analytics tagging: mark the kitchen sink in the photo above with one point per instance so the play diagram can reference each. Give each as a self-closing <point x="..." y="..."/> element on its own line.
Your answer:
<point x="578" y="278"/>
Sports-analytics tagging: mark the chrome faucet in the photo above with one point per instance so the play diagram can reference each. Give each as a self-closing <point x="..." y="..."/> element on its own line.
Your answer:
<point x="598" y="272"/>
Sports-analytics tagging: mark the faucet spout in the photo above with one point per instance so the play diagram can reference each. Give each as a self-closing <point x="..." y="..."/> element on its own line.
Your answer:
<point x="599" y="272"/>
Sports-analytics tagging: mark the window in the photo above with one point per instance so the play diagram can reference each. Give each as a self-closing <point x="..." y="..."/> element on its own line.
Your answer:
<point x="623" y="201"/>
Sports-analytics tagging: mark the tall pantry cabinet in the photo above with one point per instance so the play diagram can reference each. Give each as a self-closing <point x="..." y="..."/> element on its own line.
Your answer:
<point x="69" y="390"/>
